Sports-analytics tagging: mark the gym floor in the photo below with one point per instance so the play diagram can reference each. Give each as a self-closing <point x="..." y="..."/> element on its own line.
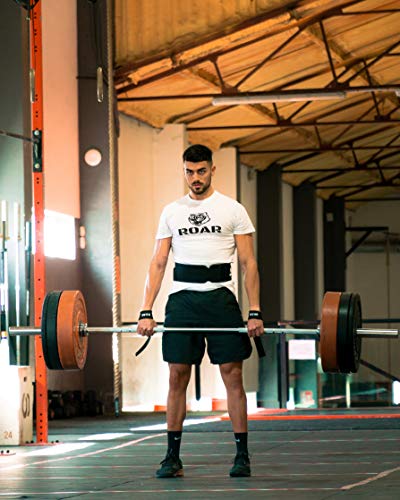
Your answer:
<point x="308" y="454"/>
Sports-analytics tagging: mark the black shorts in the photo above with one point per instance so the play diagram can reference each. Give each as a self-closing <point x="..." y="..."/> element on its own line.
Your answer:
<point x="217" y="308"/>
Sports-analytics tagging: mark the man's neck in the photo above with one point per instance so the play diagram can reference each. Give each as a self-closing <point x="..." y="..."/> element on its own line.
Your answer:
<point x="202" y="196"/>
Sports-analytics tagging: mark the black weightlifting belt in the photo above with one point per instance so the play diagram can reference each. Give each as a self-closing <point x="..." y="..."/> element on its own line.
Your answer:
<point x="217" y="273"/>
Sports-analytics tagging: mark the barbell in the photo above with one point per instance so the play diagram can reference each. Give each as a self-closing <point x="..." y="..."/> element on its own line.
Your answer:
<point x="64" y="331"/>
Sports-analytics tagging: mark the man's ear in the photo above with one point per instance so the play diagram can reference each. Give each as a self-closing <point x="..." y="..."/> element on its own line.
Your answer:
<point x="213" y="169"/>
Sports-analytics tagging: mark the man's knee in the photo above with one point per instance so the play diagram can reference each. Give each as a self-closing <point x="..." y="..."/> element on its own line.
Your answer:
<point x="232" y="375"/>
<point x="179" y="376"/>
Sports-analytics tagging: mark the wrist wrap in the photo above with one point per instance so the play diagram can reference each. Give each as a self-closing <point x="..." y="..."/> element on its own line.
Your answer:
<point x="255" y="315"/>
<point x="146" y="314"/>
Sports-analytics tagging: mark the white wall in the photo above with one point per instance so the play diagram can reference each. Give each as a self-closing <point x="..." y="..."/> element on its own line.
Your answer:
<point x="150" y="176"/>
<point x="60" y="107"/>
<point x="374" y="274"/>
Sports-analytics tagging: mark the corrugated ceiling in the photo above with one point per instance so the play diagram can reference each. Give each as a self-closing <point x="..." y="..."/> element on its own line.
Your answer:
<point x="173" y="57"/>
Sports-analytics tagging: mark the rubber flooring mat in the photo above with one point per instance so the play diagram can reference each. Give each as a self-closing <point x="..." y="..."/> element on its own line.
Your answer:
<point x="103" y="458"/>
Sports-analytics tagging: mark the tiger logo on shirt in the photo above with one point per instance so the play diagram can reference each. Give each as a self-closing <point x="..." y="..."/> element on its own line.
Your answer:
<point x="199" y="219"/>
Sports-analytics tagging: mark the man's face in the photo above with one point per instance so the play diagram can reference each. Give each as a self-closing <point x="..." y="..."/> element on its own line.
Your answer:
<point x="198" y="176"/>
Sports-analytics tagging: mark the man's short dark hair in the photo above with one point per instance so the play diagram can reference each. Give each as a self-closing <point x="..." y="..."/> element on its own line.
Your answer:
<point x="197" y="153"/>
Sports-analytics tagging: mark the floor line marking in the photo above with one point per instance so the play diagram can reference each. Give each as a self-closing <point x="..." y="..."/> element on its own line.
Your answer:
<point x="316" y="417"/>
<point x="266" y="475"/>
<point x="187" y="423"/>
<point x="371" y="479"/>
<point x="274" y="441"/>
<point x="83" y="455"/>
<point x="258" y="464"/>
<point x="178" y="490"/>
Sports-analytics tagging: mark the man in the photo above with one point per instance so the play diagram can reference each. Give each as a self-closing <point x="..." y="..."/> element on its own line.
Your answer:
<point x="203" y="229"/>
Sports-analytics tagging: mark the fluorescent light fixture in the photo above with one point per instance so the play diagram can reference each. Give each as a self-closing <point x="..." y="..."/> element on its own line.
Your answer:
<point x="285" y="96"/>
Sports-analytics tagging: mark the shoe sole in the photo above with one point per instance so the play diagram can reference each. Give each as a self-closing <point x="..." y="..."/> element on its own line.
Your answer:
<point x="240" y="472"/>
<point x="178" y="473"/>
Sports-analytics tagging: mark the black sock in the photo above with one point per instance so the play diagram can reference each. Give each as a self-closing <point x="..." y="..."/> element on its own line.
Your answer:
<point x="174" y="442"/>
<point x="241" y="442"/>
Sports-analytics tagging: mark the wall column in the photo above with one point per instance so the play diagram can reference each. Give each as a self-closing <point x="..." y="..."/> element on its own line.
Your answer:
<point x="306" y="284"/>
<point x="269" y="251"/>
<point x="95" y="198"/>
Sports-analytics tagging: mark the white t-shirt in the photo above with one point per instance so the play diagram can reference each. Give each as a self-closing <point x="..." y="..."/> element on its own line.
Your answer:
<point x="202" y="233"/>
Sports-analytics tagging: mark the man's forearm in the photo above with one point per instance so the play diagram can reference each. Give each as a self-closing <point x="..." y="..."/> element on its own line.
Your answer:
<point x="252" y="285"/>
<point x="153" y="285"/>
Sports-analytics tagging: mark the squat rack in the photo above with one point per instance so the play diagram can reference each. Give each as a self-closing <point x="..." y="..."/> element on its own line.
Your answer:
<point x="39" y="284"/>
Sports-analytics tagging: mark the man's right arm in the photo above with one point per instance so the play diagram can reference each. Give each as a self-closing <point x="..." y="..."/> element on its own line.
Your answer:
<point x="154" y="279"/>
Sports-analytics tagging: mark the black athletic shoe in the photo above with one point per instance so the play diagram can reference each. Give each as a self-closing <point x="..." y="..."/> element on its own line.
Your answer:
<point x="241" y="466"/>
<point x="171" y="466"/>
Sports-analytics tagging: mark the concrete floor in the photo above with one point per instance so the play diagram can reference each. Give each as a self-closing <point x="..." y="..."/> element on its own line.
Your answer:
<point x="297" y="455"/>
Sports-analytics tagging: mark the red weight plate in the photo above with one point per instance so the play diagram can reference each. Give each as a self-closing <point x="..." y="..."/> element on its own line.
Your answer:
<point x="328" y="331"/>
<point x="72" y="347"/>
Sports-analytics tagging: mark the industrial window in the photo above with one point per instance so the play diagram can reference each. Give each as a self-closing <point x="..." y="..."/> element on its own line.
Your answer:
<point x="59" y="235"/>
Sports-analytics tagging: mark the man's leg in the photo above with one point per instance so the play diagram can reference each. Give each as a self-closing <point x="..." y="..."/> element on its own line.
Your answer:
<point x="179" y="376"/>
<point x="237" y="407"/>
<point x="237" y="404"/>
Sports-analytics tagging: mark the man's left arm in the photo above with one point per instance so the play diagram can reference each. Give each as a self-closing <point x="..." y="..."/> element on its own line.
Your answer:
<point x="248" y="264"/>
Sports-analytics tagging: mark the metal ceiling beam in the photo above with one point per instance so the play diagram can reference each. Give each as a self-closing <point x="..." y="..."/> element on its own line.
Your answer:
<point x="308" y="156"/>
<point x="350" y="127"/>
<point x="349" y="65"/>
<point x="248" y="23"/>
<point x="324" y="149"/>
<point x="302" y="94"/>
<point x="349" y="143"/>
<point x="394" y="139"/>
<point x="268" y="58"/>
<point x="389" y="183"/>
<point x="284" y="124"/>
<point x="363" y="12"/>
<point x="128" y="68"/>
<point x="358" y="200"/>
<point x="371" y="63"/>
<point x="333" y="49"/>
<point x="343" y="170"/>
<point x="352" y="186"/>
<point x="213" y="112"/>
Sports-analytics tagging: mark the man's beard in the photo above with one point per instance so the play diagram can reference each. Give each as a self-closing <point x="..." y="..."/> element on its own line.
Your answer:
<point x="200" y="189"/>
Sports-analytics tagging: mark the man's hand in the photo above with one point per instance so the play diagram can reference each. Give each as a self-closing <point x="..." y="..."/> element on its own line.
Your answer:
<point x="146" y="327"/>
<point x="255" y="327"/>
